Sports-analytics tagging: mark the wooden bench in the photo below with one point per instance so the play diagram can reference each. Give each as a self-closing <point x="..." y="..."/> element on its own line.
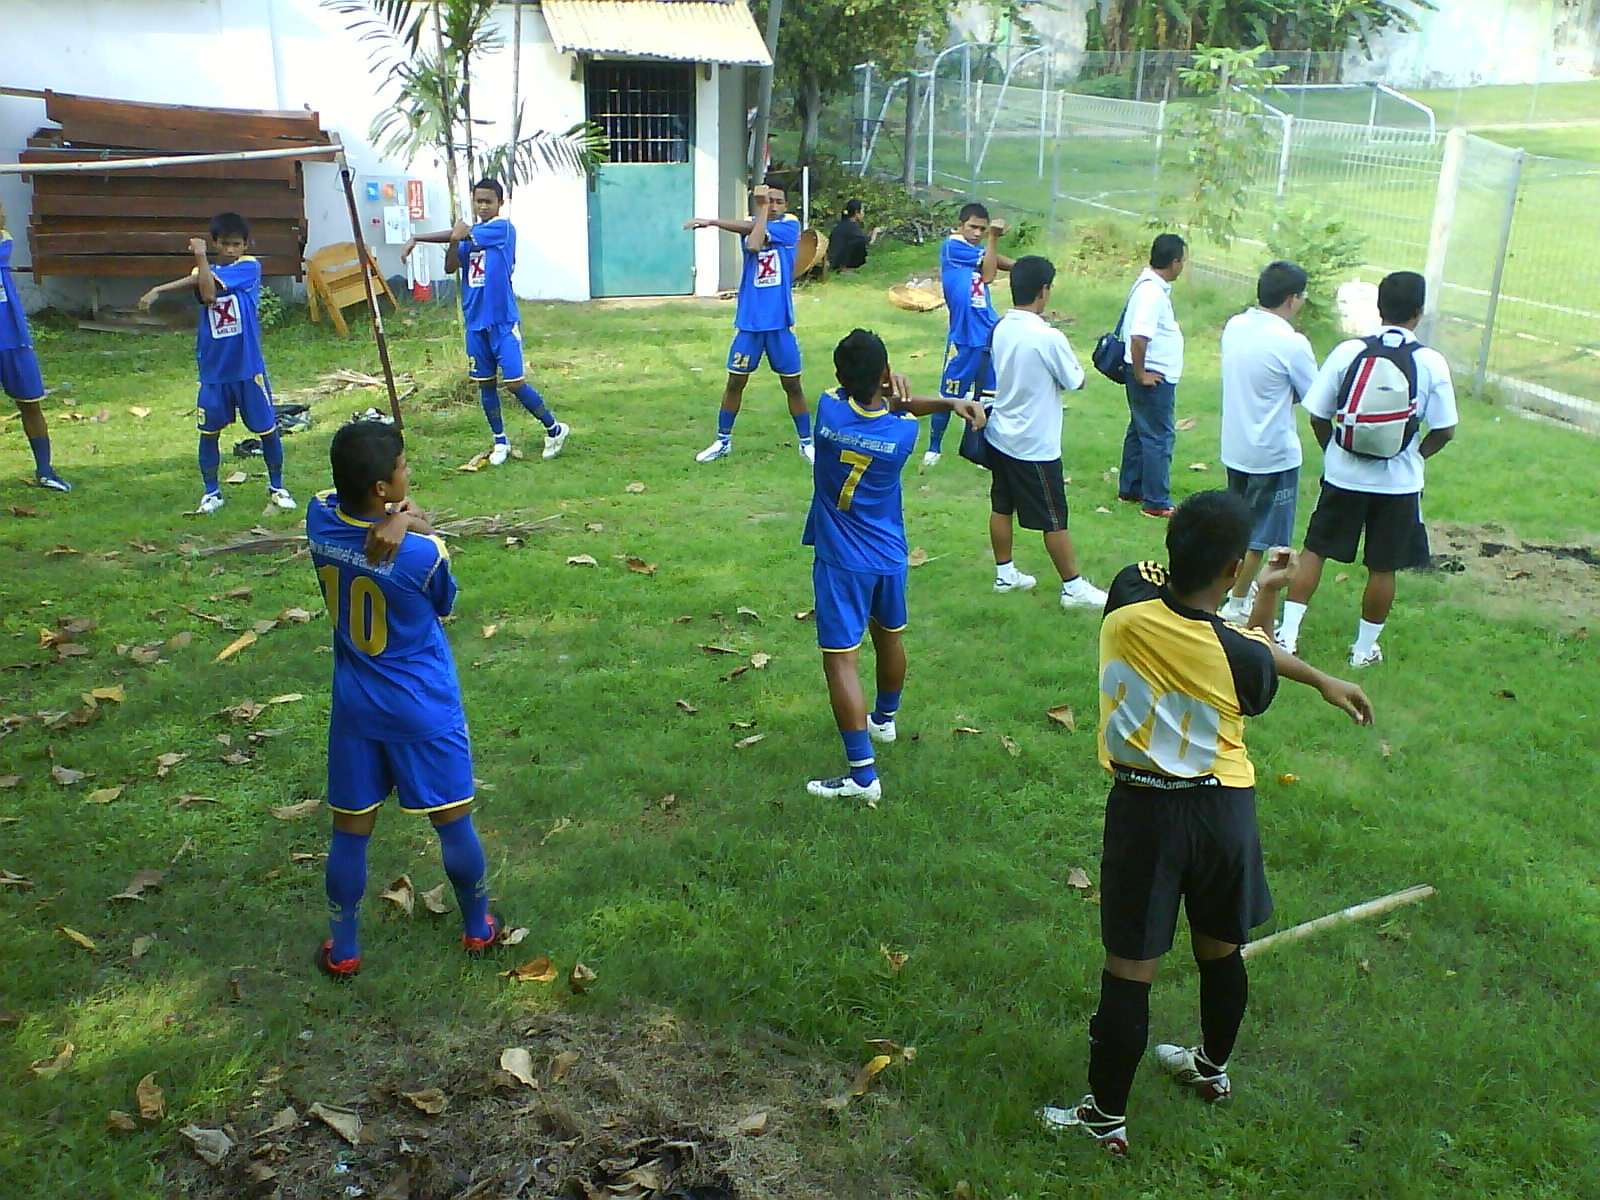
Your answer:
<point x="333" y="281"/>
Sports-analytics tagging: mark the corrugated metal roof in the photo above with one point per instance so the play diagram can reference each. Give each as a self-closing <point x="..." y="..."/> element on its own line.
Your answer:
<point x="714" y="31"/>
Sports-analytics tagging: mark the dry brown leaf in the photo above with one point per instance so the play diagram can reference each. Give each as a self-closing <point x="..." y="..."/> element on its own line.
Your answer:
<point x="237" y="477"/>
<point x="868" y="1072"/>
<point x="740" y="724"/>
<point x="152" y="1101"/>
<point x="489" y="631"/>
<point x="634" y="488"/>
<point x="1287" y="778"/>
<point x="895" y="958"/>
<point x="561" y="826"/>
<point x="513" y="937"/>
<point x="752" y="1126"/>
<point x="1010" y="744"/>
<point x="237" y="758"/>
<point x="535" y="970"/>
<point x="114" y="694"/>
<point x="638" y="565"/>
<point x="118" y="1121"/>
<point x="78" y="939"/>
<point x="142" y="944"/>
<point x="342" y="1121"/>
<point x="11" y="879"/>
<point x="429" y="1100"/>
<point x="142" y="881"/>
<point x="1341" y="576"/>
<point x="433" y="900"/>
<point x="65" y="776"/>
<point x="759" y="660"/>
<point x="745" y="743"/>
<point x="582" y="560"/>
<point x="714" y="649"/>
<point x="22" y="510"/>
<point x="595" y="527"/>
<point x="1101" y="508"/>
<point x="1505" y="694"/>
<point x="104" y="795"/>
<point x="293" y="812"/>
<point x="244" y="640"/>
<point x="139" y="411"/>
<point x="400" y="894"/>
<point x="1199" y="466"/>
<point x="212" y="1145"/>
<point x="562" y="1063"/>
<point x="147" y="655"/>
<point x="687" y="707"/>
<point x="476" y="462"/>
<point x="580" y="978"/>
<point x="516" y="1062"/>
<point x="44" y="1068"/>
<point x="1383" y="748"/>
<point x="188" y="798"/>
<point x="287" y="698"/>
<point x="749" y="614"/>
<point x="1061" y="714"/>
<point x="917" y="557"/>
<point x="242" y="592"/>
<point x="1079" y="878"/>
<point x="9" y="781"/>
<point x="803" y="615"/>
<point x="513" y="542"/>
<point x="285" y="1120"/>
<point x="165" y="762"/>
<point x="967" y="729"/>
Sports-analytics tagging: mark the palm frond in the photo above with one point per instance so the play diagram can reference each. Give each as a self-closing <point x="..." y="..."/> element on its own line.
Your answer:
<point x="391" y="30"/>
<point x="578" y="150"/>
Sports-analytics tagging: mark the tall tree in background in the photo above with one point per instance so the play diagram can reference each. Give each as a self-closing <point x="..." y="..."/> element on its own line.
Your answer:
<point x="1323" y="25"/>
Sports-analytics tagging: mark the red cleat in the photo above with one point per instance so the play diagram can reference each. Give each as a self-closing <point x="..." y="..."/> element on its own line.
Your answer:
<point x="476" y="946"/>
<point x="342" y="969"/>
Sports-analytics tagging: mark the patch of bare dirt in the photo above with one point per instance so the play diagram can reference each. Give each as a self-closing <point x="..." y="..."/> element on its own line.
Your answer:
<point x="1560" y="579"/>
<point x="630" y="1107"/>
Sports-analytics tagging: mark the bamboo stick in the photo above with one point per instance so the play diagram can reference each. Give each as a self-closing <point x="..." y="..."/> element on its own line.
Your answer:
<point x="99" y="166"/>
<point x="1356" y="912"/>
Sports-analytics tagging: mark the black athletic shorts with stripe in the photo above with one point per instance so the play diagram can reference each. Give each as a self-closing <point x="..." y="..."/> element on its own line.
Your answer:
<point x="1035" y="491"/>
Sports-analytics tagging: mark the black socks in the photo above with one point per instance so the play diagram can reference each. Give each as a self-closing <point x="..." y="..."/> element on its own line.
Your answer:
<point x="1118" y="1032"/>
<point x="1224" y="988"/>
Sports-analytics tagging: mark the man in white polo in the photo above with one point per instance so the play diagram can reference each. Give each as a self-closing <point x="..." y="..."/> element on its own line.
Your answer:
<point x="1267" y="368"/>
<point x="1154" y="361"/>
<point x="1033" y="365"/>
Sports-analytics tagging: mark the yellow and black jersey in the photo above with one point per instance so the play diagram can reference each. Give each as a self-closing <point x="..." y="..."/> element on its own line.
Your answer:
<point x="1175" y="686"/>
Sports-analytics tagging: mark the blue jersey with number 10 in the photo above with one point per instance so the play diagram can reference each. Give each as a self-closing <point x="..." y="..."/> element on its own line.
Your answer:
<point x="856" y="521"/>
<point x="394" y="678"/>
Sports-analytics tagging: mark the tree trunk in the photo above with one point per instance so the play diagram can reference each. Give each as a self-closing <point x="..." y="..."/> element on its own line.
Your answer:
<point x="810" y="104"/>
<point x="452" y="180"/>
<point x="516" y="88"/>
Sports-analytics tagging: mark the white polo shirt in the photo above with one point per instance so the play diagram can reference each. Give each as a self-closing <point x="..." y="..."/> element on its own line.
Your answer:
<point x="1150" y="316"/>
<point x="1267" y="367"/>
<point x="1033" y="365"/>
<point x="1436" y="406"/>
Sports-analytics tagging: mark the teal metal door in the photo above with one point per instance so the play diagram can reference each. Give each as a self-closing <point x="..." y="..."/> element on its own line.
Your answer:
<point x="639" y="200"/>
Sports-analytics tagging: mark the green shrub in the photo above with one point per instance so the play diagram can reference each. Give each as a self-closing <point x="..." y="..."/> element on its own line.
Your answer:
<point x="1325" y="245"/>
<point x="903" y="214"/>
<point x="271" y="310"/>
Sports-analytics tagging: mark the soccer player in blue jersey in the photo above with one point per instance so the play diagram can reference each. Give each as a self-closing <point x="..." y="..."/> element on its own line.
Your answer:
<point x="397" y="723"/>
<point x="763" y="322"/>
<point x="19" y="369"/>
<point x="227" y="347"/>
<point x="865" y="434"/>
<point x="969" y="260"/>
<point x="484" y="256"/>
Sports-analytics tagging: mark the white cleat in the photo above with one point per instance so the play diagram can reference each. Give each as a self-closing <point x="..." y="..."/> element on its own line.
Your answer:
<point x="554" y="440"/>
<point x="280" y="498"/>
<point x="209" y="503"/>
<point x="720" y="448"/>
<point x="931" y="459"/>
<point x="1189" y="1068"/>
<point x="884" y="733"/>
<point x="52" y="482"/>
<point x="808" y="451"/>
<point x="1016" y="582"/>
<point x="1370" y="658"/>
<point x="1287" y="645"/>
<point x="1080" y="593"/>
<point x="1235" y="610"/>
<point x="499" y="454"/>
<point x="1108" y="1132"/>
<point x="845" y="788"/>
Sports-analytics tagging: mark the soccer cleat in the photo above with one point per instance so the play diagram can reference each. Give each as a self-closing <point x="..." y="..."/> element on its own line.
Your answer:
<point x="1287" y="645"/>
<point x="1370" y="658"/>
<point x="53" y="482"/>
<point x="554" y="439"/>
<point x="720" y="448"/>
<point x="499" y="453"/>
<point x="1159" y="511"/>
<point x="1189" y="1068"/>
<point x="476" y="946"/>
<point x="1235" y="609"/>
<point x="808" y="451"/>
<point x="931" y="459"/>
<point x="845" y="788"/>
<point x="1110" y="1133"/>
<point x="1014" y="582"/>
<point x="209" y="503"/>
<point x="344" y="968"/>
<point x="884" y="733"/>
<point x="280" y="498"/>
<point x="1080" y="593"/>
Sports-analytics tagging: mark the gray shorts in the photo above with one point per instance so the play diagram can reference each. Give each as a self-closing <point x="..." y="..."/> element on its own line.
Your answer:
<point x="1271" y="498"/>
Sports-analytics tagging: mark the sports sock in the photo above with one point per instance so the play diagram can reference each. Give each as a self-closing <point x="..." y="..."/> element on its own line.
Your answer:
<point x="1367" y="636"/>
<point x="937" y="424"/>
<point x="725" y="421"/>
<point x="346" y="881"/>
<point x="210" y="461"/>
<point x="858" y="753"/>
<point x="802" y="425"/>
<point x="272" y="454"/>
<point x="1224" y="988"/>
<point x="41" y="454"/>
<point x="1066" y="584"/>
<point x="888" y="704"/>
<point x="534" y="403"/>
<point x="1005" y="570"/>
<point x="1118" y="1032"/>
<point x="1293" y="613"/>
<point x="489" y="396"/>
<point x="468" y="871"/>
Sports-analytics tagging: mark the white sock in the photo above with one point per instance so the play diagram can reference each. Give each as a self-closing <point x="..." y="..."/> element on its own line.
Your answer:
<point x="1367" y="636"/>
<point x="1005" y="570"/>
<point x="1293" y="613"/>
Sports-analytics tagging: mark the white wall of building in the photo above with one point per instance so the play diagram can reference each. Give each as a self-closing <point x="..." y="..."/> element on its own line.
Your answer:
<point x="1467" y="42"/>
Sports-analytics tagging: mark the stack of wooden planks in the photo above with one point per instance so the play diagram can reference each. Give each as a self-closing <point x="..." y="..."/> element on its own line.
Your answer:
<point x="138" y="223"/>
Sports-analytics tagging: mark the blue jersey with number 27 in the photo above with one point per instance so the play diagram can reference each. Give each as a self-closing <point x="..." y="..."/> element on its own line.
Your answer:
<point x="394" y="678"/>
<point x="966" y="295"/>
<point x="856" y="521"/>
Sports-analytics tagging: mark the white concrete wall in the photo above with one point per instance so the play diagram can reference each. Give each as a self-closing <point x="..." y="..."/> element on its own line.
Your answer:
<point x="1466" y="42"/>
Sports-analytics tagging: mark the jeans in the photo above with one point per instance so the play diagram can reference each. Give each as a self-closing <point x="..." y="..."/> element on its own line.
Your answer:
<point x="1147" y="446"/>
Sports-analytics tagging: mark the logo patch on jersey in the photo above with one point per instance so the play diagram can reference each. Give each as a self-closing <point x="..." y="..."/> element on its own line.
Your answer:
<point x="223" y="313"/>
<point x="477" y="268"/>
<point x="980" y="297"/>
<point x="768" y="271"/>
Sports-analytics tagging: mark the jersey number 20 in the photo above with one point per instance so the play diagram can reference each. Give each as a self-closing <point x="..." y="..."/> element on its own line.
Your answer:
<point x="366" y="612"/>
<point x="1183" y="738"/>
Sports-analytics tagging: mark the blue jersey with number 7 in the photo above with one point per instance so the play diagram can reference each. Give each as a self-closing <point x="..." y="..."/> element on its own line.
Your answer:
<point x="394" y="678"/>
<point x="856" y="521"/>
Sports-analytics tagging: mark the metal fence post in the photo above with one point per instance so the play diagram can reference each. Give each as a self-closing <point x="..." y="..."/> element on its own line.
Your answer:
<point x="1044" y="110"/>
<point x="1444" y="213"/>
<point x="1138" y="85"/>
<point x="1513" y="185"/>
<point x="1161" y="139"/>
<point x="1283" y="155"/>
<point x="866" y="113"/>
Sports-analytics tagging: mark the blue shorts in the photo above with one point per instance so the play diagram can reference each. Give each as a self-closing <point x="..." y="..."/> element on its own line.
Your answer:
<point x="250" y="400"/>
<point x="964" y="368"/>
<point x="495" y="349"/>
<point x="845" y="599"/>
<point x="1271" y="498"/>
<point x="19" y="374"/>
<point x="779" y="345"/>
<point x="430" y="776"/>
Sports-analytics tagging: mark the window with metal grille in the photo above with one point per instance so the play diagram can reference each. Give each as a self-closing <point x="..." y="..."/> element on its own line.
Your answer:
<point x="646" y="109"/>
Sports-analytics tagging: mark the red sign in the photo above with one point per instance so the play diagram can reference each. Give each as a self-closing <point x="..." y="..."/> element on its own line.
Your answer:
<point x="414" y="199"/>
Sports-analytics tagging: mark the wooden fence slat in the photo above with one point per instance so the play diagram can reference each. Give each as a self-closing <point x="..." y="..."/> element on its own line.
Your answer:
<point x="144" y="266"/>
<point x="65" y="107"/>
<point x="243" y="191"/>
<point x="199" y="206"/>
<point x="186" y="226"/>
<point x="162" y="139"/>
<point x="46" y="243"/>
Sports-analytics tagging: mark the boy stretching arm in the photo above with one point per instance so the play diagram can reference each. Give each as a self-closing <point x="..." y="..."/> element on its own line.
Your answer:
<point x="19" y="370"/>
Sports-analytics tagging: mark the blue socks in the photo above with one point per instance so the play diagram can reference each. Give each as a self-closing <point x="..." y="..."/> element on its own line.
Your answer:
<point x="884" y="710"/>
<point x="468" y="871"/>
<point x="858" y="753"/>
<point x="346" y="881"/>
<point x="211" y="460"/>
<point x="802" y="425"/>
<point x="534" y="403"/>
<point x="490" y="395"/>
<point x="272" y="452"/>
<point x="937" y="424"/>
<point x="725" y="420"/>
<point x="41" y="455"/>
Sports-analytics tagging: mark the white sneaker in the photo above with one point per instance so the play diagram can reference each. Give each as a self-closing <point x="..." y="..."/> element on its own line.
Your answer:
<point x="1080" y="593"/>
<point x="210" y="502"/>
<point x="884" y="733"/>
<point x="808" y="451"/>
<point x="931" y="459"/>
<point x="553" y="441"/>
<point x="499" y="454"/>
<point x="1189" y="1068"/>
<point x="1287" y="645"/>
<point x="1015" y="582"/>
<point x="720" y="448"/>
<point x="52" y="482"/>
<point x="1108" y="1132"/>
<point x="1235" y="609"/>
<point x="280" y="498"/>
<point x="1370" y="658"/>
<point x="845" y="788"/>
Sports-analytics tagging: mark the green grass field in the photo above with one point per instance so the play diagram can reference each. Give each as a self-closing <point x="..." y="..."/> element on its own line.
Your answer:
<point x="1442" y="1052"/>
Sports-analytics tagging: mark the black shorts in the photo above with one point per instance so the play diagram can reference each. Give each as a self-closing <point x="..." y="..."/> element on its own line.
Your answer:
<point x="1035" y="491"/>
<point x="1394" y="539"/>
<point x="1197" y="844"/>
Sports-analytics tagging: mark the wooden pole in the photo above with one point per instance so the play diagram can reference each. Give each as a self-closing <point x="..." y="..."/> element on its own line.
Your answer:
<point x="758" y="167"/>
<point x="1345" y="916"/>
<point x="372" y="299"/>
<point x="101" y="166"/>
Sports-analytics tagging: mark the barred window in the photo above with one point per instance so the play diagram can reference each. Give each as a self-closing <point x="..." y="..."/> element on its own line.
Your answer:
<point x="646" y="109"/>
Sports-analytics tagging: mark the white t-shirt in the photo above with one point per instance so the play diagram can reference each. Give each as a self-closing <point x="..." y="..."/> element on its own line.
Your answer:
<point x="1266" y="368"/>
<point x="1150" y="316"/>
<point x="1033" y="365"/>
<point x="1436" y="407"/>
